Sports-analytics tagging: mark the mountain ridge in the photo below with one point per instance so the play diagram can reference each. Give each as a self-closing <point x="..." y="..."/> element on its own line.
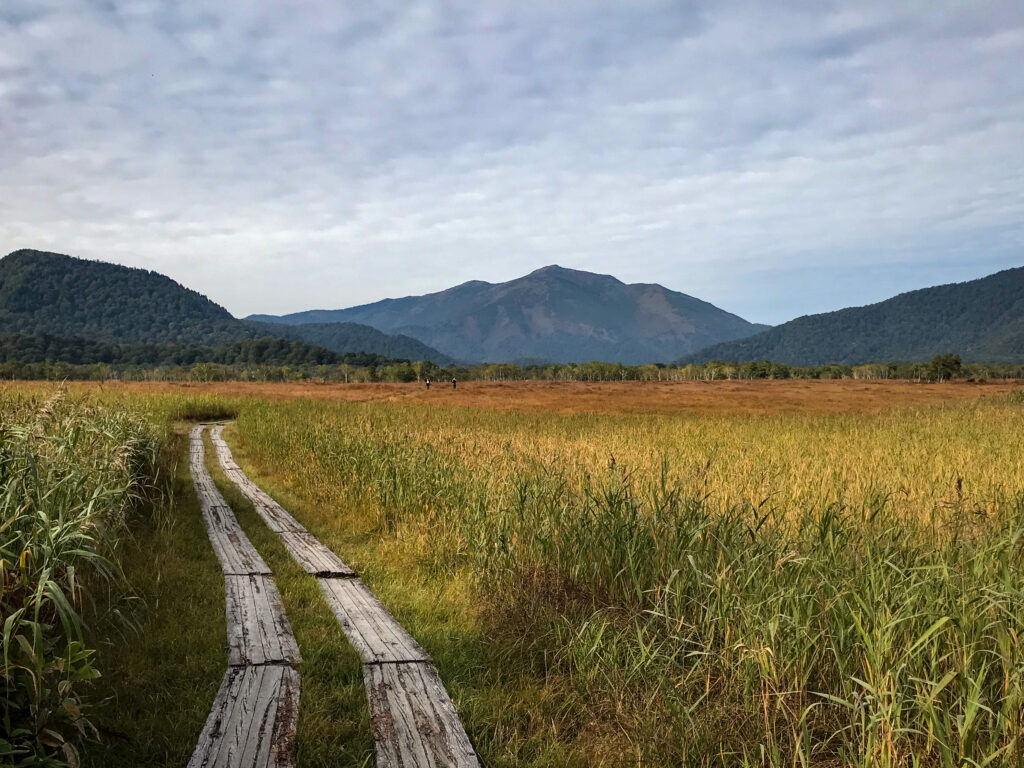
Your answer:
<point x="353" y="337"/>
<point x="552" y="313"/>
<point x="981" y="320"/>
<point x="52" y="294"/>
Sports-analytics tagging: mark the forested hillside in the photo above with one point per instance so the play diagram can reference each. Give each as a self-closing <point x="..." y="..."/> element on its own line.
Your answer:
<point x="354" y="337"/>
<point x="981" y="321"/>
<point x="264" y="351"/>
<point x="62" y="296"/>
<point x="97" y="306"/>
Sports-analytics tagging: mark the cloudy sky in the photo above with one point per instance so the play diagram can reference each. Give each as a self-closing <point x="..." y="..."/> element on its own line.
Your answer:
<point x="775" y="158"/>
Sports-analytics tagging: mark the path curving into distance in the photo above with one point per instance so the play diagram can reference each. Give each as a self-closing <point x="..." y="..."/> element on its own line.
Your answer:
<point x="414" y="721"/>
<point x="255" y="714"/>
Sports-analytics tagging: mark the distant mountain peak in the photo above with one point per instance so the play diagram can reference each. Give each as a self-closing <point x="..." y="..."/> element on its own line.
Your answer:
<point x="555" y="269"/>
<point x="559" y="272"/>
<point x="553" y="313"/>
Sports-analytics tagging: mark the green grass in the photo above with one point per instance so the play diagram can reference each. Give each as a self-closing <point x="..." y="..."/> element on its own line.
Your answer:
<point x="72" y="477"/>
<point x="511" y="716"/>
<point x="161" y="675"/>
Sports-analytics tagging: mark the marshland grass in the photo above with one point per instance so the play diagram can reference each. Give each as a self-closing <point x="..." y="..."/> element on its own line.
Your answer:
<point x="794" y="590"/>
<point x="71" y="475"/>
<point x="800" y="586"/>
<point x="160" y="675"/>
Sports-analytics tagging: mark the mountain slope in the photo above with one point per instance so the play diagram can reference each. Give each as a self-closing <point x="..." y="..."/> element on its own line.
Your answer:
<point x="554" y="314"/>
<point x="44" y="293"/>
<point x="353" y="337"/>
<point x="980" y="320"/>
<point x="63" y="296"/>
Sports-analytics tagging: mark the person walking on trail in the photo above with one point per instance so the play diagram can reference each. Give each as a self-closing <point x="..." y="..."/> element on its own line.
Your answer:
<point x="454" y="383"/>
<point x="428" y="382"/>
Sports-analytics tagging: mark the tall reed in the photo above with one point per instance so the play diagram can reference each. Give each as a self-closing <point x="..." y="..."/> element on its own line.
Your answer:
<point x="70" y="474"/>
<point x="828" y="590"/>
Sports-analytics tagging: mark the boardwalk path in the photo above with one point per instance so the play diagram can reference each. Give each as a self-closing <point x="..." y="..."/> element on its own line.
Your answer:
<point x="254" y="717"/>
<point x="413" y="719"/>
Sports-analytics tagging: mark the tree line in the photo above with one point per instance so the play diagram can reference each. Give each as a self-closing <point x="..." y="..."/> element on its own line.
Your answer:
<point x="279" y="360"/>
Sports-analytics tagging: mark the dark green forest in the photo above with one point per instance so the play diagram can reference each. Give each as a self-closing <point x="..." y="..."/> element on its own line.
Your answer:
<point x="48" y="293"/>
<point x="982" y="321"/>
<point x="344" y="337"/>
<point x="77" y="351"/>
<point x="269" y="359"/>
<point x="61" y="297"/>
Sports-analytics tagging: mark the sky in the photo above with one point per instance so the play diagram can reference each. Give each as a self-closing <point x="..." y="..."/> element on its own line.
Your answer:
<point x="775" y="158"/>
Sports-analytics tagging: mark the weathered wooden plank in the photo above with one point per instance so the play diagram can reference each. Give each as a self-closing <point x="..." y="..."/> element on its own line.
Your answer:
<point x="258" y="630"/>
<point x="373" y="632"/>
<point x="274" y="515"/>
<point x="414" y="722"/>
<point x="235" y="552"/>
<point x="306" y="549"/>
<point x="253" y="720"/>
<point x="313" y="556"/>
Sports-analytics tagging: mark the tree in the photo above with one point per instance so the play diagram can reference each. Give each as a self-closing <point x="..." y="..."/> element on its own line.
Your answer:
<point x="944" y="367"/>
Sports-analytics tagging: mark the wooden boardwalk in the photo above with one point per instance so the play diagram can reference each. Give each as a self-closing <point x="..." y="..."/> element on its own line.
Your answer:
<point x="373" y="632"/>
<point x="254" y="717"/>
<point x="304" y="548"/>
<point x="258" y="632"/>
<point x="414" y="721"/>
<point x="253" y="720"/>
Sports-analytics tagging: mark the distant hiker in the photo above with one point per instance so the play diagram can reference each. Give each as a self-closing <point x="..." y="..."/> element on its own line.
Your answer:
<point x="454" y="383"/>
<point x="428" y="382"/>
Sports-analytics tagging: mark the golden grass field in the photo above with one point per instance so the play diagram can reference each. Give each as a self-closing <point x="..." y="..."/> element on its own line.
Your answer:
<point x="767" y="573"/>
<point x="656" y="397"/>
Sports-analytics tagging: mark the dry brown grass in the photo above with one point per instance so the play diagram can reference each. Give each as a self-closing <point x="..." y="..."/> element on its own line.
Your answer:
<point x="697" y="397"/>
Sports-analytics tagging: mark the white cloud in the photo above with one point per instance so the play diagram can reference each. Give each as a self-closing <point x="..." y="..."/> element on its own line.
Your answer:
<point x="773" y="159"/>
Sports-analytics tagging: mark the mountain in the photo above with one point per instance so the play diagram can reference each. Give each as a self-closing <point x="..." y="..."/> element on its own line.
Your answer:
<point x="65" y="298"/>
<point x="980" y="320"/>
<point x="49" y="293"/>
<point x="353" y="337"/>
<point x="554" y="314"/>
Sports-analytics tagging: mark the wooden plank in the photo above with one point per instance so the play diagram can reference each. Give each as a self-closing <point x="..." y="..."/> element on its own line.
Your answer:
<point x="258" y="630"/>
<point x="274" y="515"/>
<point x="373" y="632"/>
<point x="414" y="722"/>
<point x="253" y="720"/>
<point x="305" y="549"/>
<point x="255" y="715"/>
<point x="235" y="552"/>
<point x="313" y="556"/>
